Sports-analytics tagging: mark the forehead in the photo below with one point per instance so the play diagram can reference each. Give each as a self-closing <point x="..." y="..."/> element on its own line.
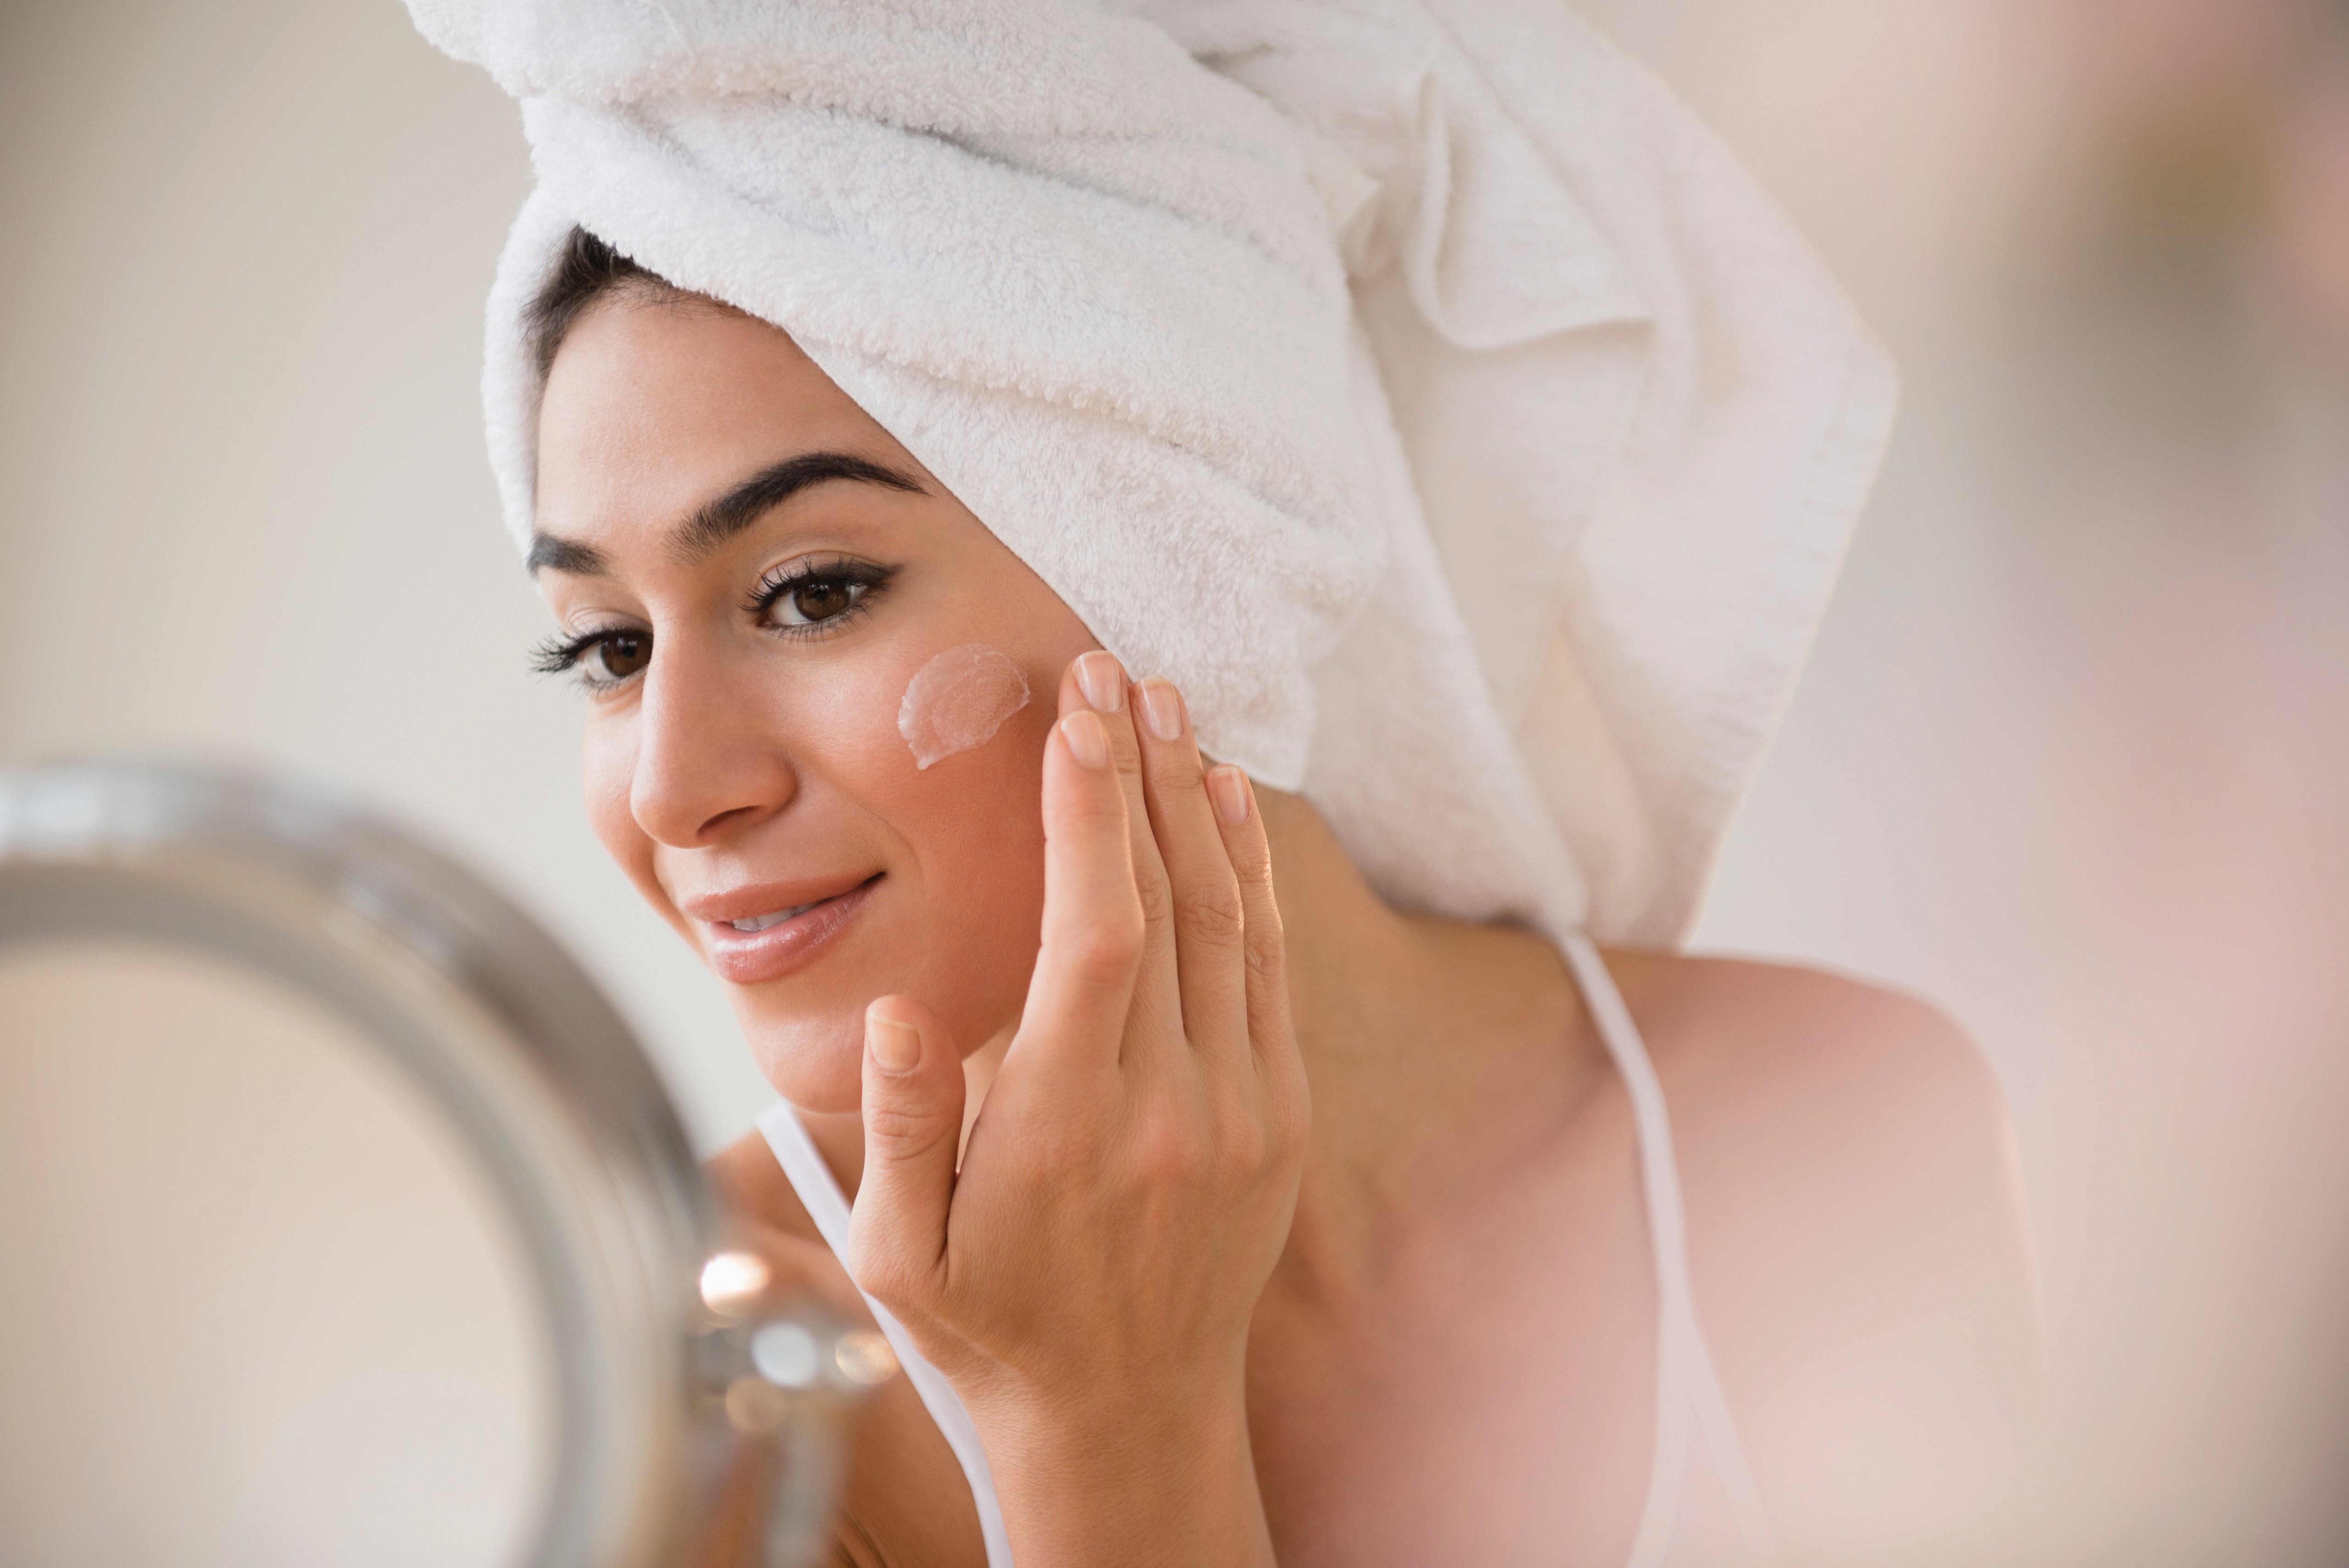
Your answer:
<point x="653" y="405"/>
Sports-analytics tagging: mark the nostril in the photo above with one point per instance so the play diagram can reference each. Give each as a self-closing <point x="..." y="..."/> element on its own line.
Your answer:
<point x="724" y="819"/>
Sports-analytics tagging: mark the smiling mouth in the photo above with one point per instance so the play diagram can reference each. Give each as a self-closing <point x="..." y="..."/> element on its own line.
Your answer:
<point x="761" y="922"/>
<point x="760" y="947"/>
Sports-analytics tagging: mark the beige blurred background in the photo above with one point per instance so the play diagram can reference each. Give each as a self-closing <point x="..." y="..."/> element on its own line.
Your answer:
<point x="2072" y="759"/>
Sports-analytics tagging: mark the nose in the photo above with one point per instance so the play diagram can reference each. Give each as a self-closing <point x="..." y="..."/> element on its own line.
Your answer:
<point x="708" y="765"/>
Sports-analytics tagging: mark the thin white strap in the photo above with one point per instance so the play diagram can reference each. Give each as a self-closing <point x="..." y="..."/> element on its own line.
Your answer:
<point x="1686" y="1384"/>
<point x="1729" y="1457"/>
<point x="812" y="1180"/>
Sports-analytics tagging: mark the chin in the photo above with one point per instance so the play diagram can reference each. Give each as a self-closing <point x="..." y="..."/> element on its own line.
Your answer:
<point x="805" y="1027"/>
<point x="816" y="1062"/>
<point x="812" y="1050"/>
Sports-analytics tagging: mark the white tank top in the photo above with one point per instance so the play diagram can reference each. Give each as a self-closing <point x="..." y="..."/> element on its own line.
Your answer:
<point x="1709" y="1524"/>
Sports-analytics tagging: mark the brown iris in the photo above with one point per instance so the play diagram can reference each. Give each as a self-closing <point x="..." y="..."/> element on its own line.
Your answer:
<point x="822" y="599"/>
<point x="623" y="654"/>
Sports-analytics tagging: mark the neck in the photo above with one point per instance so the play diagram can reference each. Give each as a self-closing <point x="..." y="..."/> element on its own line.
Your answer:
<point x="1439" y="1052"/>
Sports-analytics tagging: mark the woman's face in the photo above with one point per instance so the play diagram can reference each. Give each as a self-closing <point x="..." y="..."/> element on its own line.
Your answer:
<point x="747" y="572"/>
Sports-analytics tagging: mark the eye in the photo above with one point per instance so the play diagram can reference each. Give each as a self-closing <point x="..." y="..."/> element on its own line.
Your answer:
<point x="611" y="659"/>
<point x="817" y="597"/>
<point x="811" y="600"/>
<point x="604" y="657"/>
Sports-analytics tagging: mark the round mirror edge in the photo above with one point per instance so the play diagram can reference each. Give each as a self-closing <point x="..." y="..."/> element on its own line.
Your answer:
<point x="370" y="885"/>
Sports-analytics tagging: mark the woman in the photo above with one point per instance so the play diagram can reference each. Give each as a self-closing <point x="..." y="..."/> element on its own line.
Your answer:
<point x="1253" y="1162"/>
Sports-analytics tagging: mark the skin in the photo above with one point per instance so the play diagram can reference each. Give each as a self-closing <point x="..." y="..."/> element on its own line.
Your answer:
<point x="1288" y="1226"/>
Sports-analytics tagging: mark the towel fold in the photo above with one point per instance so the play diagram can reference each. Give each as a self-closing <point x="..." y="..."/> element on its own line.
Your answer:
<point x="1413" y="381"/>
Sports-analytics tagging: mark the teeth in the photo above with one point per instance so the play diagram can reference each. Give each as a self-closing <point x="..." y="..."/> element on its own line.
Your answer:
<point x="761" y="922"/>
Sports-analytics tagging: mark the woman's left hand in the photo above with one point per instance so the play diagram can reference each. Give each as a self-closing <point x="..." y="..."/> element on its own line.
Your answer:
<point x="1087" y="1278"/>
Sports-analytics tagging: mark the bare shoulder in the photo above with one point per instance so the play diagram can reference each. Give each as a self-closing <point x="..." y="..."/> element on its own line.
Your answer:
<point x="1760" y="1053"/>
<point x="1856" y="1223"/>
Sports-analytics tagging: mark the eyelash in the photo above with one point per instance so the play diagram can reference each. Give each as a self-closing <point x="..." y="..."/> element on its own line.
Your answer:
<point x="784" y="580"/>
<point x="559" y="654"/>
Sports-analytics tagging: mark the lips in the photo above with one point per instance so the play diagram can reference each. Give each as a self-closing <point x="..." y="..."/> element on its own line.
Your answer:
<point x="748" y="947"/>
<point x="761" y="922"/>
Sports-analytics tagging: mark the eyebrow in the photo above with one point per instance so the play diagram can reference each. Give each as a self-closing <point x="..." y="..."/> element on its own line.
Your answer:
<point x="716" y="522"/>
<point x="564" y="555"/>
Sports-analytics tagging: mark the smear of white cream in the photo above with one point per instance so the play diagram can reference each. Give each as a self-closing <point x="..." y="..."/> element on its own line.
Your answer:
<point x="959" y="700"/>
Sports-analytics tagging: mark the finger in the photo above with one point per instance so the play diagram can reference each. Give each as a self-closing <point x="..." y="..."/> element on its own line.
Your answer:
<point x="1264" y="946"/>
<point x="1097" y="681"/>
<point x="1206" y="913"/>
<point x="913" y="1129"/>
<point x="1083" y="988"/>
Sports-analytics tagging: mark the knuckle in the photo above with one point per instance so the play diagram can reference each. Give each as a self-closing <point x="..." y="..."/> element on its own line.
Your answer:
<point x="1156" y="900"/>
<point x="1245" y="1143"/>
<point x="1212" y="915"/>
<point x="884" y="1271"/>
<point x="1108" y="947"/>
<point x="1174" y="770"/>
<point x="1091" y="812"/>
<point x="1268" y="956"/>
<point x="1252" y="860"/>
<point x="1168" y="1151"/>
<point x="904" y="1131"/>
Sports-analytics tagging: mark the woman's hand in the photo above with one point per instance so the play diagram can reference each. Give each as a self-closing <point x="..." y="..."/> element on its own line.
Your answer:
<point x="1086" y="1280"/>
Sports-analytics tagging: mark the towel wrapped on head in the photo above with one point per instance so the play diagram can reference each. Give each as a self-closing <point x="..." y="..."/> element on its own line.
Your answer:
<point x="1413" y="381"/>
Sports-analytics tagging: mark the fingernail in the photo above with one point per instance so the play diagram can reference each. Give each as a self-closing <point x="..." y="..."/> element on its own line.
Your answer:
<point x="1103" y="680"/>
<point x="1162" y="709"/>
<point x="1088" y="741"/>
<point x="1227" y="786"/>
<point x="895" y="1046"/>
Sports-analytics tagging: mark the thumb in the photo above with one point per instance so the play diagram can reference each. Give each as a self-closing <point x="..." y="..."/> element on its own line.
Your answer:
<point x="913" y="1129"/>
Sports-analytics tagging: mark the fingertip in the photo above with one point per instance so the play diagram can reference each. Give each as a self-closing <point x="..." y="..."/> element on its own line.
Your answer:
<point x="1164" y="714"/>
<point x="1101" y="680"/>
<point x="900" y="1033"/>
<point x="1227" y="786"/>
<point x="898" y="1009"/>
<point x="895" y="1046"/>
<point x="1087" y="739"/>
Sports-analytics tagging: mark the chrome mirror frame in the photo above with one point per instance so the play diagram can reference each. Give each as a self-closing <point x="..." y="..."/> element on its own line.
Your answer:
<point x="540" y="1078"/>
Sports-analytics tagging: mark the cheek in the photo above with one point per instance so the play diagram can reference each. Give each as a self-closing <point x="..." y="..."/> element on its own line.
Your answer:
<point x="981" y="811"/>
<point x="981" y="856"/>
<point x="959" y="700"/>
<point x="607" y="773"/>
<point x="962" y="840"/>
<point x="968" y="826"/>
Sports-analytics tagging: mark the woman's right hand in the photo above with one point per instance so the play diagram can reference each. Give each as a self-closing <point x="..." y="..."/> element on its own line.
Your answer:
<point x="1086" y="1279"/>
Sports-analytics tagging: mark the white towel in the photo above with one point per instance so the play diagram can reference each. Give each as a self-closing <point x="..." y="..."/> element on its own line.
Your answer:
<point x="1413" y="381"/>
